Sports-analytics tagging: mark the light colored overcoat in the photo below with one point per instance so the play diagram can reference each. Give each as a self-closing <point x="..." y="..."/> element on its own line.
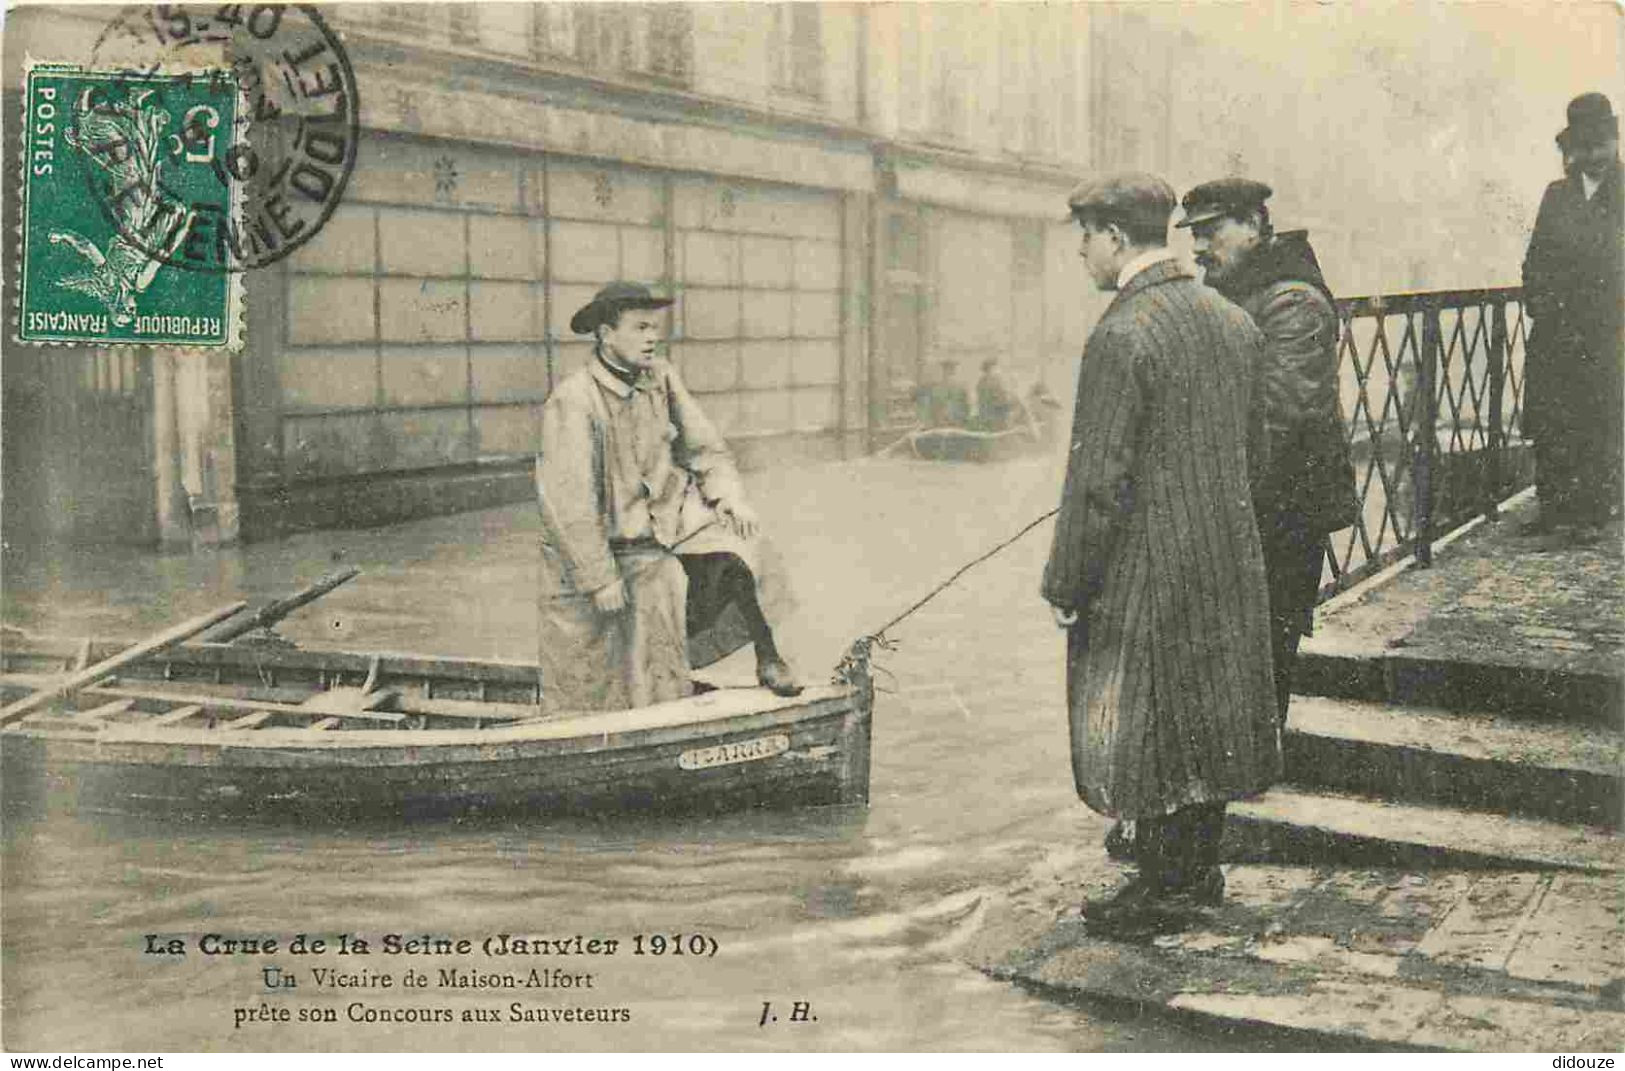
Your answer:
<point x="627" y="474"/>
<point x="1169" y="681"/>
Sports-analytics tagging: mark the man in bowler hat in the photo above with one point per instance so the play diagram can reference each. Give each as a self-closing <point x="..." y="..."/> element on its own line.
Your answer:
<point x="652" y="562"/>
<point x="1574" y="404"/>
<point x="1308" y="491"/>
<point x="1155" y="570"/>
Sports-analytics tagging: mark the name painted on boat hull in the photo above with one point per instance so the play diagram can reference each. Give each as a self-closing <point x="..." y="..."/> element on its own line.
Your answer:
<point x="763" y="747"/>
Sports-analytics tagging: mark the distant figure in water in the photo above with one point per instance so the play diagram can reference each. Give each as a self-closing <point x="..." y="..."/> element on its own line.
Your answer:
<point x="997" y="407"/>
<point x="1043" y="408"/>
<point x="945" y="403"/>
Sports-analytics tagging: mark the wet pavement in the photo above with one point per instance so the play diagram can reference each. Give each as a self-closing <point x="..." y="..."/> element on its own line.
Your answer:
<point x="1503" y="595"/>
<point x="1486" y="961"/>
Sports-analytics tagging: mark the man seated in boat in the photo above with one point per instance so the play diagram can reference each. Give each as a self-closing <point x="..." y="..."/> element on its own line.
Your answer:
<point x="997" y="407"/>
<point x="945" y="403"/>
<point x="652" y="561"/>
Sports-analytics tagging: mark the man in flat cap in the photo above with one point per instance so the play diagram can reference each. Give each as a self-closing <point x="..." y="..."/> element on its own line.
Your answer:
<point x="944" y="403"/>
<point x="652" y="562"/>
<point x="1308" y="492"/>
<point x="1155" y="570"/>
<point x="1572" y="285"/>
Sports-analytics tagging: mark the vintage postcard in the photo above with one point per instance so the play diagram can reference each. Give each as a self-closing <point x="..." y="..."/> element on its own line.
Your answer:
<point x="784" y="527"/>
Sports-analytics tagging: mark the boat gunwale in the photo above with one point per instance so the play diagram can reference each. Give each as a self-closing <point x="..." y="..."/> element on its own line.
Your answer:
<point x="693" y="721"/>
<point x="251" y="656"/>
<point x="584" y="733"/>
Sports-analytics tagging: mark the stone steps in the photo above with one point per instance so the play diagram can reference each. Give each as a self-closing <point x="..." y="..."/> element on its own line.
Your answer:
<point x="1480" y="762"/>
<point x="1564" y="694"/>
<point x="1290" y="824"/>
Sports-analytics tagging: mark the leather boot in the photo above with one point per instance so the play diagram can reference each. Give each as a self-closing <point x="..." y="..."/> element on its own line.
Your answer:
<point x="1120" y="841"/>
<point x="775" y="674"/>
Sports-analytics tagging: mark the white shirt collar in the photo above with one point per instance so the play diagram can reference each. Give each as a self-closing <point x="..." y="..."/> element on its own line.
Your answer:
<point x="1589" y="184"/>
<point x="1142" y="262"/>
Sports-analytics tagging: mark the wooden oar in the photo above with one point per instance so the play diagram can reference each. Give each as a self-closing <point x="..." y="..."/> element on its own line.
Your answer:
<point x="275" y="611"/>
<point x="91" y="674"/>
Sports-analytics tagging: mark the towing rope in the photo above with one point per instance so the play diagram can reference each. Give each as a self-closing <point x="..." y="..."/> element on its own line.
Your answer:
<point x="856" y="665"/>
<point x="880" y="633"/>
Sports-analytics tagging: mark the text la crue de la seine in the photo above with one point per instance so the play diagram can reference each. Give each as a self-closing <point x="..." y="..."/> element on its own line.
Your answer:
<point x="394" y="944"/>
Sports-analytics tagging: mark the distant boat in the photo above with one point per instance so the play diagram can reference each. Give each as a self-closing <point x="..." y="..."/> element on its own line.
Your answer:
<point x="272" y="731"/>
<point x="966" y="444"/>
<point x="1032" y="430"/>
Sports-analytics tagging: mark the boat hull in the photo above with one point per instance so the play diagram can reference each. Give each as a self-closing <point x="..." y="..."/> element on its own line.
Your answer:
<point x="723" y="750"/>
<point x="956" y="444"/>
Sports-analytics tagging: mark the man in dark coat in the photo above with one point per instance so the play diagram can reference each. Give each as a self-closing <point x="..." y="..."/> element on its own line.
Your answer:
<point x="1574" y="404"/>
<point x="1309" y="491"/>
<point x="1155" y="569"/>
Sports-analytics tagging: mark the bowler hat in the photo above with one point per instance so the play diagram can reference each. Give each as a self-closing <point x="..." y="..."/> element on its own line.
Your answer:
<point x="1130" y="198"/>
<point x="1222" y="197"/>
<point x="608" y="304"/>
<point x="1591" y="119"/>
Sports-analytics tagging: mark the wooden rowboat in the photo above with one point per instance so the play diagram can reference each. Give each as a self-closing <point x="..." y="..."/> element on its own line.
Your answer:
<point x="965" y="444"/>
<point x="269" y="730"/>
<point x="971" y="444"/>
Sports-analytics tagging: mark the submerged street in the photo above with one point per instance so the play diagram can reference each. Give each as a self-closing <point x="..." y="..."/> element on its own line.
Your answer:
<point x="863" y="915"/>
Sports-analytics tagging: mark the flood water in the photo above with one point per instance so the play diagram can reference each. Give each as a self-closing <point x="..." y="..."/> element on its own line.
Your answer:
<point x="859" y="913"/>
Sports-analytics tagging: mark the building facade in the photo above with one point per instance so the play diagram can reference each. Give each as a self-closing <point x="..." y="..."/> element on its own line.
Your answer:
<point x="829" y="191"/>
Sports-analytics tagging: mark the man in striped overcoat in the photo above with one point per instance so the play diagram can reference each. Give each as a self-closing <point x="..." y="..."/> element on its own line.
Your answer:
<point x="1156" y="569"/>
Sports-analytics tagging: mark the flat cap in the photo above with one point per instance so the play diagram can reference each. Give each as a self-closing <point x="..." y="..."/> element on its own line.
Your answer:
<point x="1130" y="197"/>
<point x="1222" y="197"/>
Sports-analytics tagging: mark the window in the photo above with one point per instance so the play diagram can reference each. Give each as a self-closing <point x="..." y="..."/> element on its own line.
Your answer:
<point x="413" y="18"/>
<point x="465" y="23"/>
<point x="670" y="32"/>
<point x="554" y="31"/>
<point x="953" y="76"/>
<point x="465" y="26"/>
<point x="649" y="39"/>
<point x="799" y="30"/>
<point x="603" y="35"/>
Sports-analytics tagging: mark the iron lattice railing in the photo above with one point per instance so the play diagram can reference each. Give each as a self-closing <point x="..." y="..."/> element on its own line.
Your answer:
<point x="1432" y="389"/>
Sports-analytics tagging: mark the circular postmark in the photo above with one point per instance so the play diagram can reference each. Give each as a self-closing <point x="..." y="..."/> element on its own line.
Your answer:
<point x="223" y="136"/>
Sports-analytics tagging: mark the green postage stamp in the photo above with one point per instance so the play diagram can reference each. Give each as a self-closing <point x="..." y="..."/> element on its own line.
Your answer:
<point x="121" y="172"/>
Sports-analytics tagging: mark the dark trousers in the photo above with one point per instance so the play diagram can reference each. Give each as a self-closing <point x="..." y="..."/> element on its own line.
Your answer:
<point x="717" y="580"/>
<point x="1293" y="559"/>
<point x="1577" y="483"/>
<point x="1178" y="849"/>
<point x="1575" y="412"/>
